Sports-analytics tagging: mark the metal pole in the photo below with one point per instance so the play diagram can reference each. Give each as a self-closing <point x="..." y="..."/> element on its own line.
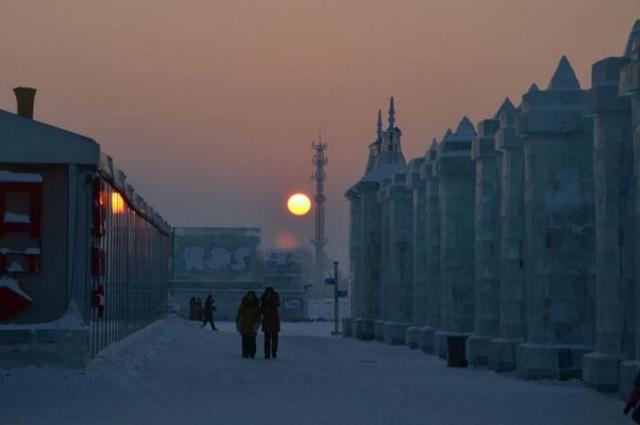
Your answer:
<point x="335" y="299"/>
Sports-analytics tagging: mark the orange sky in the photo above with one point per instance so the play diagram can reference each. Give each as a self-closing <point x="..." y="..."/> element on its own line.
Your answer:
<point x="210" y="106"/>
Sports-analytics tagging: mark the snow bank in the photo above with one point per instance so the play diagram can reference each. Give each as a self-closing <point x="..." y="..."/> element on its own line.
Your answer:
<point x="11" y="177"/>
<point x="13" y="285"/>
<point x="12" y="217"/>
<point x="71" y="319"/>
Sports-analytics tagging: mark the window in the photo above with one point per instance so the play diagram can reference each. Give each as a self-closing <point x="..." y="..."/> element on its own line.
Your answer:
<point x="20" y="217"/>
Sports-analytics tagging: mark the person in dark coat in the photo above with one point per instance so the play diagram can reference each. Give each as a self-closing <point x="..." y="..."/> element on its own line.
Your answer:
<point x="269" y="304"/>
<point x="209" y="308"/>
<point x="633" y="399"/>
<point x="248" y="322"/>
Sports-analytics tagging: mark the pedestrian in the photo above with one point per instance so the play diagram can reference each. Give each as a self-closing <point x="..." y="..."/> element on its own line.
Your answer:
<point x="209" y="308"/>
<point x="248" y="322"/>
<point x="192" y="308"/>
<point x="633" y="399"/>
<point x="269" y="304"/>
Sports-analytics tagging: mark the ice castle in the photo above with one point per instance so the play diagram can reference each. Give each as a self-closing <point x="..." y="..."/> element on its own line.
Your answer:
<point x="511" y="244"/>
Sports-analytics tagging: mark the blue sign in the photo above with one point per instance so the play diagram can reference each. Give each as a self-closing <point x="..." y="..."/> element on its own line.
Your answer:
<point x="330" y="281"/>
<point x="342" y="294"/>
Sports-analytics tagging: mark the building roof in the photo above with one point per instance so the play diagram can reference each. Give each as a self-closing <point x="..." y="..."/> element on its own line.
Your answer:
<point x="24" y="140"/>
<point x="27" y="141"/>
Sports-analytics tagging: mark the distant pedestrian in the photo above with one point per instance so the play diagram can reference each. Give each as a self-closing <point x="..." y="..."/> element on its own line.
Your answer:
<point x="192" y="308"/>
<point x="248" y="322"/>
<point x="633" y="399"/>
<point x="209" y="308"/>
<point x="269" y="304"/>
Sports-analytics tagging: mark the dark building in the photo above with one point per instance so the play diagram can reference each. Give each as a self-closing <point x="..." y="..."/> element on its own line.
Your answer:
<point x="84" y="260"/>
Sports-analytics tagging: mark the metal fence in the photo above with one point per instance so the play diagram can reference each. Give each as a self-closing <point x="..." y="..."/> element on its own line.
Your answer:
<point x="130" y="268"/>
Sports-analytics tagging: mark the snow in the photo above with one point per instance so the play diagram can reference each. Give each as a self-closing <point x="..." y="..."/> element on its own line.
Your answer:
<point x="13" y="285"/>
<point x="28" y="251"/>
<point x="175" y="372"/>
<point x="15" y="267"/>
<point x="9" y="176"/>
<point x="70" y="320"/>
<point x="12" y="217"/>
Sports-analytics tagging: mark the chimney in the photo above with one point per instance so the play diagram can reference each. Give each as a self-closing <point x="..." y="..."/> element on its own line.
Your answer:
<point x="25" y="97"/>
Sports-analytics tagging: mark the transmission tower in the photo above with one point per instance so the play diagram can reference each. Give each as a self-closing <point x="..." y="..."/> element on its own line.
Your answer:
<point x="319" y="241"/>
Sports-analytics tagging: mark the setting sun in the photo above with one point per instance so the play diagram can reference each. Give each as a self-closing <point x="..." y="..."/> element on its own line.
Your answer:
<point x="299" y="204"/>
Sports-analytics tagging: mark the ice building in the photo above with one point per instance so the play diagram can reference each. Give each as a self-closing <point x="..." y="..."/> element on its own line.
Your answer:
<point x="519" y="236"/>
<point x="226" y="262"/>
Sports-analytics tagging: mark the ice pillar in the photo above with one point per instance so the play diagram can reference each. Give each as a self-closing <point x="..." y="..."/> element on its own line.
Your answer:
<point x="502" y="350"/>
<point x="613" y="172"/>
<point x="487" y="242"/>
<point x="456" y="172"/>
<point x="630" y="87"/>
<point x="558" y="227"/>
<point x="417" y="186"/>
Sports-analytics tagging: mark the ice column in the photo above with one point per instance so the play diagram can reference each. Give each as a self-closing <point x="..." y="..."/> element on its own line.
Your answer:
<point x="355" y="253"/>
<point x="397" y="202"/>
<point x="613" y="173"/>
<point x="487" y="240"/>
<point x="630" y="87"/>
<point x="502" y="350"/>
<point x="432" y="250"/>
<point x="456" y="171"/>
<point x="417" y="186"/>
<point x="559" y="228"/>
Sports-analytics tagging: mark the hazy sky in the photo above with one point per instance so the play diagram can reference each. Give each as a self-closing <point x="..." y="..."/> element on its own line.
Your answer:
<point x="210" y="106"/>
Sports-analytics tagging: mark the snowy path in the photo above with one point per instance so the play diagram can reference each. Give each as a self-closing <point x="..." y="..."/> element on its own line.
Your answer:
<point x="175" y="372"/>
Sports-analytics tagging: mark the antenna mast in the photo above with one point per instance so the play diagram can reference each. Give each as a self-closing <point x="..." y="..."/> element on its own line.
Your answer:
<point x="319" y="241"/>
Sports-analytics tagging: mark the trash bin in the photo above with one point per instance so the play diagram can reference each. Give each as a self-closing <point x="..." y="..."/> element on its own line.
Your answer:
<point x="456" y="354"/>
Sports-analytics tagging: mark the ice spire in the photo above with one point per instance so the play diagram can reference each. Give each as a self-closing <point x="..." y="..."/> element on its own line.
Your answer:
<point x="432" y="149"/>
<point x="446" y="135"/>
<point x="533" y="88"/>
<point x="465" y="127"/>
<point x="506" y="106"/>
<point x="633" y="36"/>
<point x="564" y="78"/>
<point x="392" y="115"/>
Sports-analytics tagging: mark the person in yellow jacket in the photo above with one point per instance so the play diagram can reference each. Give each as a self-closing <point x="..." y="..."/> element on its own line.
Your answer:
<point x="248" y="322"/>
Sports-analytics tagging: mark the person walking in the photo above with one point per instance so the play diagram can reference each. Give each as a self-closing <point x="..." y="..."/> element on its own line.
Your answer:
<point x="248" y="322"/>
<point x="209" y="308"/>
<point x="269" y="304"/>
<point x="633" y="399"/>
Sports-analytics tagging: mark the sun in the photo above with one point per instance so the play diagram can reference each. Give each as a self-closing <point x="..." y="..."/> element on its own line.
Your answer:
<point x="299" y="204"/>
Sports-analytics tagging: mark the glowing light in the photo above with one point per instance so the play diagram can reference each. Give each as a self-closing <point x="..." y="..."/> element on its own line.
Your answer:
<point x="286" y="239"/>
<point x="299" y="204"/>
<point x="117" y="203"/>
<point x="103" y="198"/>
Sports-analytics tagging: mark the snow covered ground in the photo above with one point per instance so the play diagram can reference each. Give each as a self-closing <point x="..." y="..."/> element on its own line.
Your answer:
<point x="175" y="372"/>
